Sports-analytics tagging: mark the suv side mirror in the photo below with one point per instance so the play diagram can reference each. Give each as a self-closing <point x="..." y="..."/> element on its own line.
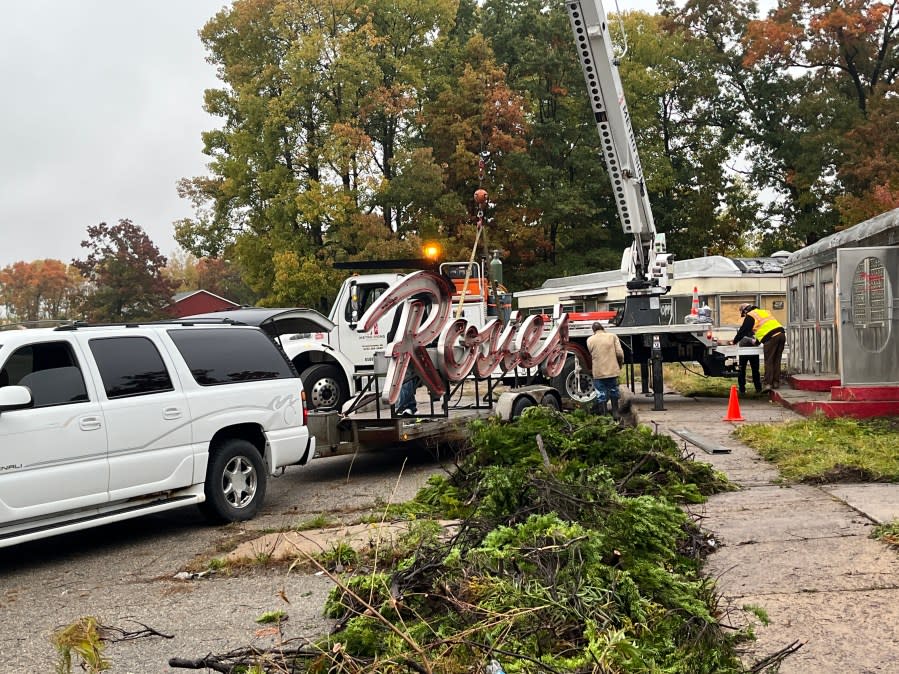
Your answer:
<point x="15" y="398"/>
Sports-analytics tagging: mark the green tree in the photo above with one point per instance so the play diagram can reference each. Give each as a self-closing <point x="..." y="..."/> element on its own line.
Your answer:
<point x="475" y="126"/>
<point x="319" y="99"/>
<point x="563" y="219"/>
<point x="124" y="272"/>
<point x="686" y="138"/>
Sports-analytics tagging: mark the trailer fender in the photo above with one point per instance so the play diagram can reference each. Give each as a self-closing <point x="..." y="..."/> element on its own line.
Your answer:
<point x="512" y="403"/>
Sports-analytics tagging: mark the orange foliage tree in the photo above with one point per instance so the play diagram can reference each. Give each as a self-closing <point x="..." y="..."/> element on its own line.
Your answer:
<point x="851" y="51"/>
<point x="38" y="290"/>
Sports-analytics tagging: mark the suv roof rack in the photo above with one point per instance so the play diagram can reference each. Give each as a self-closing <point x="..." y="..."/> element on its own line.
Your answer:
<point x="30" y="325"/>
<point x="76" y="325"/>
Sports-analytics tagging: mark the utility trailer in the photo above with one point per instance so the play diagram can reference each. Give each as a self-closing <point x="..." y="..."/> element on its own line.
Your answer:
<point x="366" y="424"/>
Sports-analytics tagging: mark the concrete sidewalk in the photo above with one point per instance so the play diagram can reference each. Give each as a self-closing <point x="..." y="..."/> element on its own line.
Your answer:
<point x="801" y="553"/>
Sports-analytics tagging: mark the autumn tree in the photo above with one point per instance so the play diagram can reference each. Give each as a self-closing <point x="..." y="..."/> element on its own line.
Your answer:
<point x="123" y="269"/>
<point x="181" y="270"/>
<point x="802" y="86"/>
<point x="39" y="290"/>
<point x="870" y="172"/>
<point x="317" y="102"/>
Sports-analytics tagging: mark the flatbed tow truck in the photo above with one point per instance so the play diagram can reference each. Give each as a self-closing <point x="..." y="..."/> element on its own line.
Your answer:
<point x="459" y="375"/>
<point x="368" y="419"/>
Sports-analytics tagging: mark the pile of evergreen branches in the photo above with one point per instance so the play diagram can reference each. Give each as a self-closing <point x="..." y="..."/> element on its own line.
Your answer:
<point x="573" y="555"/>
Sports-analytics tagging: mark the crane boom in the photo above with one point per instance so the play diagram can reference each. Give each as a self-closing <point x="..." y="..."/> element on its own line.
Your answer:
<point x="645" y="263"/>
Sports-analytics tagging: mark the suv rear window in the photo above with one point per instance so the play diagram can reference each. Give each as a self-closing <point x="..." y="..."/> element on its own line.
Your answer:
<point x="228" y="355"/>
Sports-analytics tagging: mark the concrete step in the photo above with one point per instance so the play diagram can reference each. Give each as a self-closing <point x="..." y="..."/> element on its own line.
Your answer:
<point x="856" y="393"/>
<point x="814" y="382"/>
<point x="858" y="409"/>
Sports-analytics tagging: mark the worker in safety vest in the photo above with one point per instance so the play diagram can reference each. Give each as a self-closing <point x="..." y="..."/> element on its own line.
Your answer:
<point x="761" y="325"/>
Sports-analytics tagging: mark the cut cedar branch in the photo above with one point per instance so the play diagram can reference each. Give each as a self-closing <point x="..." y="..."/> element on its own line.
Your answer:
<point x="576" y="552"/>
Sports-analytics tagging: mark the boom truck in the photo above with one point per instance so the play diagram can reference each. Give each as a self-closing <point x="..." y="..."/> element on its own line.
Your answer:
<point x="646" y="264"/>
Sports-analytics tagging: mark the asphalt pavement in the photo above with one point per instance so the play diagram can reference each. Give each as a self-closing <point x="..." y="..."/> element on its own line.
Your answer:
<point x="801" y="553"/>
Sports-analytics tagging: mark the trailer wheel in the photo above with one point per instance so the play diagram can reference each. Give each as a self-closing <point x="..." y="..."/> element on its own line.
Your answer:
<point x="520" y="405"/>
<point x="550" y="401"/>
<point x="575" y="382"/>
<point x="324" y="386"/>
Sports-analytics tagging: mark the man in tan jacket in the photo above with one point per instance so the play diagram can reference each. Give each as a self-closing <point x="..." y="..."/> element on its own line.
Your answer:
<point x="607" y="357"/>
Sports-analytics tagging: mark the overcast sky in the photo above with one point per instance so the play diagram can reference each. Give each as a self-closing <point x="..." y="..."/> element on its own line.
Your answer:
<point x="101" y="115"/>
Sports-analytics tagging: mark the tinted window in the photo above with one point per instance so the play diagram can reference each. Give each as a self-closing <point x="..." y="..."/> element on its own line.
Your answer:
<point x="229" y="355"/>
<point x="130" y="366"/>
<point x="50" y="370"/>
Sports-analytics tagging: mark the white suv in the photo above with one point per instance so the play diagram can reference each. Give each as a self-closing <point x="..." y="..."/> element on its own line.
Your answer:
<point x="99" y="424"/>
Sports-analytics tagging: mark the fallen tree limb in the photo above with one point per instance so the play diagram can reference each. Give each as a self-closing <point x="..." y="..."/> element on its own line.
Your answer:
<point x="775" y="659"/>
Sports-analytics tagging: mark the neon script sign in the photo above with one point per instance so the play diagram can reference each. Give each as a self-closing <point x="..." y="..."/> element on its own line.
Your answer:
<point x="462" y="348"/>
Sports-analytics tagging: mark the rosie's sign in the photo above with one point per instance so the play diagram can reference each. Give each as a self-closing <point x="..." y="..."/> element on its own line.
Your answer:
<point x="462" y="348"/>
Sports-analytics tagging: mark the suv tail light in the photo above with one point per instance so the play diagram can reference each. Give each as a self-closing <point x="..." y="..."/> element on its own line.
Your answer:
<point x="305" y="409"/>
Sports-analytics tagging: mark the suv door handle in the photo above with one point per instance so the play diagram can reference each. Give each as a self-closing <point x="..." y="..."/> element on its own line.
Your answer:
<point x="171" y="413"/>
<point x="89" y="423"/>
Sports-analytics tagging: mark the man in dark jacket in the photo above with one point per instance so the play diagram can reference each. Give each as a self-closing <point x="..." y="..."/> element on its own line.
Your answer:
<point x="764" y="328"/>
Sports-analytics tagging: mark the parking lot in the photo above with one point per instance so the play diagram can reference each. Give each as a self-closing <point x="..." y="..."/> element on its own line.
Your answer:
<point x="124" y="573"/>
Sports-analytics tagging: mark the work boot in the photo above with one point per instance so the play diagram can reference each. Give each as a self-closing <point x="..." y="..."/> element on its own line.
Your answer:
<point x="600" y="407"/>
<point x="614" y="404"/>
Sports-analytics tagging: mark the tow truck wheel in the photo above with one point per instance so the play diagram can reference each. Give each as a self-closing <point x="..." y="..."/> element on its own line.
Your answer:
<point x="575" y="382"/>
<point x="324" y="386"/>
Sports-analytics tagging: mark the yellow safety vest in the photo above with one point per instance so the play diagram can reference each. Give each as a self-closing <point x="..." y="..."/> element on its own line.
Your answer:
<point x="764" y="323"/>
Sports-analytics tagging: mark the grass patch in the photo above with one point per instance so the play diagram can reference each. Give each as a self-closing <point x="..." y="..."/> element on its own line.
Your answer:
<point x="688" y="380"/>
<point x="271" y="617"/>
<point x="819" y="450"/>
<point x="321" y="521"/>
<point x="887" y="533"/>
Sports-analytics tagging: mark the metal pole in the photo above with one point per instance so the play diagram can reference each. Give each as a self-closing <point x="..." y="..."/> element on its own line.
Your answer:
<point x="658" y="383"/>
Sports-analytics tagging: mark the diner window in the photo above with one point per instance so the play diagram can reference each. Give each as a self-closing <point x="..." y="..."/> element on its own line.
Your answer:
<point x="730" y="308"/>
<point x="828" y="298"/>
<point x="809" y="303"/>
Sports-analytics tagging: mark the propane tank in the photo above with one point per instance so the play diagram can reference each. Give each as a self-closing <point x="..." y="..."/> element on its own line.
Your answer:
<point x="496" y="268"/>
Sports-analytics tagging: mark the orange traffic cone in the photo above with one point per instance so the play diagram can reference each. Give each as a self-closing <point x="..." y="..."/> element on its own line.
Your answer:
<point x="733" y="407"/>
<point x="694" y="309"/>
